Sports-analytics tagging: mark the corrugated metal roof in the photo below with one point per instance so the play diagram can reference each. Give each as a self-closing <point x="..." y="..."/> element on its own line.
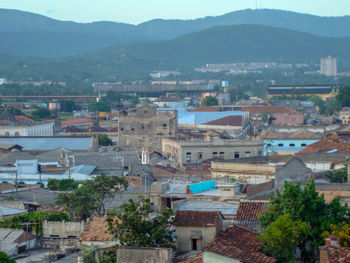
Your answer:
<point x="50" y="143"/>
<point x="196" y="118"/>
<point x="9" y="211"/>
<point x="223" y="207"/>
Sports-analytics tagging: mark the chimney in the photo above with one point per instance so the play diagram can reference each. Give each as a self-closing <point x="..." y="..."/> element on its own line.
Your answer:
<point x="332" y="241"/>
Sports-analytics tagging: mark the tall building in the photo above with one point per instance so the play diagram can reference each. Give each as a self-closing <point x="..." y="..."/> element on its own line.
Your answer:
<point x="329" y="66"/>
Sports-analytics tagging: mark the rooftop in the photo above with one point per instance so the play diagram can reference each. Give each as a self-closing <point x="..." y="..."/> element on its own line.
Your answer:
<point x="50" y="143"/>
<point x="197" y="218"/>
<point x="224" y="207"/>
<point x="96" y="229"/>
<point x="227" y="121"/>
<point x="330" y="143"/>
<point x="296" y="135"/>
<point x="239" y="243"/>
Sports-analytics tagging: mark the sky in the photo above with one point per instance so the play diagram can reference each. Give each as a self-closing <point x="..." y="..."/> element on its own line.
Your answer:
<point x="138" y="11"/>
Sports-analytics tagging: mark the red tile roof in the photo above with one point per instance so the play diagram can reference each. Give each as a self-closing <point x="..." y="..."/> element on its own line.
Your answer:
<point x="250" y="210"/>
<point x="23" y="118"/>
<point x="253" y="110"/>
<point x="239" y="243"/>
<point x="333" y="142"/>
<point x="206" y="109"/>
<point x="227" y="121"/>
<point x="197" y="218"/>
<point x="70" y="122"/>
<point x="96" y="230"/>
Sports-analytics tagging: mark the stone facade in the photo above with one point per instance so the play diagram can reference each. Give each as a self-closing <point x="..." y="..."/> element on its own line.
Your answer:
<point x="145" y="125"/>
<point x="188" y="152"/>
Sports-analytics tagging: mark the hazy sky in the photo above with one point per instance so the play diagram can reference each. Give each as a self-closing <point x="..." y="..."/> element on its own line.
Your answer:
<point x="137" y="11"/>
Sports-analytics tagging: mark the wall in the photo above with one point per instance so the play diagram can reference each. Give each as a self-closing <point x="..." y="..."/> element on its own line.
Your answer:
<point x="184" y="241"/>
<point x="209" y="257"/>
<point x="141" y="255"/>
<point x="242" y="171"/>
<point x="288" y="119"/>
<point x="43" y="129"/>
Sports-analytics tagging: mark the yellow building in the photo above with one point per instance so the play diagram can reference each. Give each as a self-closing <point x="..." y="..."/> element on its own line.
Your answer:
<point x="323" y="91"/>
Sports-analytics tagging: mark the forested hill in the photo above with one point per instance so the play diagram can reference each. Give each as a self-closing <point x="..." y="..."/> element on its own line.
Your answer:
<point x="225" y="44"/>
<point x="29" y="34"/>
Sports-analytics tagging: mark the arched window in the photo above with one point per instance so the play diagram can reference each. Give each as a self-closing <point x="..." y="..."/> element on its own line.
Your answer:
<point x="16" y="133"/>
<point x="292" y="145"/>
<point x="188" y="157"/>
<point x="247" y="154"/>
<point x="280" y="145"/>
<point x="303" y="145"/>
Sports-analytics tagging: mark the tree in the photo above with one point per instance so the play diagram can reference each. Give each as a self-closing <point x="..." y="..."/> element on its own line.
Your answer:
<point x="289" y="234"/>
<point x="103" y="105"/>
<point x="210" y="101"/>
<point x="343" y="96"/>
<point x="331" y="106"/>
<point x="304" y="206"/>
<point x="68" y="105"/>
<point x="134" y="228"/>
<point x="103" y="140"/>
<point x="41" y="114"/>
<point x="5" y="259"/>
<point x="83" y="202"/>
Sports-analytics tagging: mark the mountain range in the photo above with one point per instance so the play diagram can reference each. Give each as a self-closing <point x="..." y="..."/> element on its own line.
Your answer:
<point x="223" y="44"/>
<point x="29" y="34"/>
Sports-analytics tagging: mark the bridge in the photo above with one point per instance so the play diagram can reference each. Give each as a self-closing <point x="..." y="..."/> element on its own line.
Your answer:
<point x="75" y="97"/>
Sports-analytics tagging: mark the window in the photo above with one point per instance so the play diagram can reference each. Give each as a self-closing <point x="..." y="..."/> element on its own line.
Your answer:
<point x="280" y="145"/>
<point x="236" y="155"/>
<point x="145" y="111"/>
<point x="247" y="154"/>
<point x="142" y="126"/>
<point x="222" y="154"/>
<point x="16" y="133"/>
<point x="132" y="129"/>
<point x="260" y="153"/>
<point x="188" y="157"/>
<point x="292" y="145"/>
<point x="200" y="156"/>
<point x="215" y="154"/>
<point x="164" y="126"/>
<point x="269" y="145"/>
<point x="303" y="145"/>
<point x="7" y="134"/>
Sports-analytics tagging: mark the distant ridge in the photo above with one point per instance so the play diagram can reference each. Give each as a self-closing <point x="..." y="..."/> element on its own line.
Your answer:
<point x="30" y="34"/>
<point x="224" y="44"/>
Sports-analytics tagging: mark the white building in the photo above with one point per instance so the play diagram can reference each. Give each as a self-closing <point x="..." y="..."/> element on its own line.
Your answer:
<point x="329" y="66"/>
<point x="41" y="129"/>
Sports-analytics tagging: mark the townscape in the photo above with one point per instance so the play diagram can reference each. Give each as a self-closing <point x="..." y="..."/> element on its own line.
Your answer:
<point x="230" y="161"/>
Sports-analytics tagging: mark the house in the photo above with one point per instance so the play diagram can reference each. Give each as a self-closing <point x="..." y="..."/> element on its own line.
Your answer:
<point x="9" y="147"/>
<point x="248" y="213"/>
<point x="344" y="115"/>
<point x="294" y="170"/>
<point x="8" y="212"/>
<point x="143" y="125"/>
<point x="193" y="151"/>
<point x="56" y="235"/>
<point x="331" y="144"/>
<point x="288" y="141"/>
<point x="194" y="229"/>
<point x="332" y="252"/>
<point x="14" y="242"/>
<point x="96" y="233"/>
<point x="236" y="245"/>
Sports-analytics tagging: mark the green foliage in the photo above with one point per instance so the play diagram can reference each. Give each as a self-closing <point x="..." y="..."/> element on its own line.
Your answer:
<point x="210" y="101"/>
<point x="133" y="227"/>
<point x="338" y="176"/>
<point x="83" y="202"/>
<point x="40" y="114"/>
<point x="343" y="96"/>
<point x="289" y="234"/>
<point x="68" y="105"/>
<point x="5" y="259"/>
<point x="103" y="105"/>
<point x="34" y="221"/>
<point x="62" y="185"/>
<point x="331" y="107"/>
<point x="104" y="140"/>
<point x="304" y="206"/>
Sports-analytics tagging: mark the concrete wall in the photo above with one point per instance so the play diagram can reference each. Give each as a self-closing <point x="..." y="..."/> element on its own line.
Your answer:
<point x="209" y="257"/>
<point x="203" y="150"/>
<point x="63" y="229"/>
<point x="242" y="171"/>
<point x="183" y="235"/>
<point x="141" y="255"/>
